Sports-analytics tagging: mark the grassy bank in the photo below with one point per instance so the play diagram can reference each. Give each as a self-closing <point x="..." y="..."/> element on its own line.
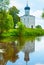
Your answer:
<point x="24" y="32"/>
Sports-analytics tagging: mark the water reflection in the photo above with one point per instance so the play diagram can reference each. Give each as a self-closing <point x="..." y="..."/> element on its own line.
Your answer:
<point x="10" y="51"/>
<point x="28" y="48"/>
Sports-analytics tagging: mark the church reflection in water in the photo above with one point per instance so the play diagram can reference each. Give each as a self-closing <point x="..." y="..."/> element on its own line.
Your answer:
<point x="29" y="47"/>
<point x="9" y="51"/>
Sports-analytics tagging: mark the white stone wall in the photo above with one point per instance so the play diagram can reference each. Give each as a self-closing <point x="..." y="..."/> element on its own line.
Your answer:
<point x="32" y="21"/>
<point x="28" y="21"/>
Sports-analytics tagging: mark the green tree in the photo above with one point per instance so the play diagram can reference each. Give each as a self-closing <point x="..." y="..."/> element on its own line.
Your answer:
<point x="7" y="2"/>
<point x="14" y="12"/>
<point x="21" y="27"/>
<point x="4" y="4"/>
<point x="6" y="21"/>
<point x="38" y="27"/>
<point x="43" y="14"/>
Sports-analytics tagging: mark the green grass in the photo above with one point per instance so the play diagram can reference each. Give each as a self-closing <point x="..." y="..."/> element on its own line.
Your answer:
<point x="34" y="32"/>
<point x="24" y="32"/>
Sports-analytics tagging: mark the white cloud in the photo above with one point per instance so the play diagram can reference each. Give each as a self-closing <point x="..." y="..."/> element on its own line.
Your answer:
<point x="11" y="3"/>
<point x="36" y="13"/>
<point x="38" y="18"/>
<point x="16" y="3"/>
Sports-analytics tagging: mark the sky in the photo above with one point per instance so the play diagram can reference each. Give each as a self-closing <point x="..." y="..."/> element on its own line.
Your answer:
<point x="36" y="9"/>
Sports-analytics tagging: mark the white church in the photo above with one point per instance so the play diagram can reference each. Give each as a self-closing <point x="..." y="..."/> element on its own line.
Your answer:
<point x="27" y="19"/>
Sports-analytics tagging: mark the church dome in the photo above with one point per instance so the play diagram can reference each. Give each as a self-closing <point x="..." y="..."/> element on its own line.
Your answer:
<point x="27" y="8"/>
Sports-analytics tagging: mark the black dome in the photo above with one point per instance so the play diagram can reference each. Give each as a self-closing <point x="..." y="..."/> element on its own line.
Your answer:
<point x="27" y="8"/>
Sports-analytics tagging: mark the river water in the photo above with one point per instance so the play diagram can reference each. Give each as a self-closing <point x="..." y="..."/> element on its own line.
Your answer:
<point x="21" y="51"/>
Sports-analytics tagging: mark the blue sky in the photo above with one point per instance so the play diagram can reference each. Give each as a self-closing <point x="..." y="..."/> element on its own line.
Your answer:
<point x="36" y="9"/>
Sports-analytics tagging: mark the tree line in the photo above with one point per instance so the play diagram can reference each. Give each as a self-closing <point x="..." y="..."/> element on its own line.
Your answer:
<point x="8" y="18"/>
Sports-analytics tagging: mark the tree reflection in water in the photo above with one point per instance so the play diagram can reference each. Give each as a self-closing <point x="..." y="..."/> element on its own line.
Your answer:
<point x="13" y="47"/>
<point x="10" y="53"/>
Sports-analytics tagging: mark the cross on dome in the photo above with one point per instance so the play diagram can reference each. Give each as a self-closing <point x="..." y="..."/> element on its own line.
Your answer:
<point x="27" y="7"/>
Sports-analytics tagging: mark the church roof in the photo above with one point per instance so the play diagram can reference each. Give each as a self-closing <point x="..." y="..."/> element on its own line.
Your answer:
<point x="27" y="7"/>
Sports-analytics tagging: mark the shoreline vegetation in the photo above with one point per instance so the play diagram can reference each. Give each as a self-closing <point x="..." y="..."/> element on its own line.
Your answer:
<point x="27" y="32"/>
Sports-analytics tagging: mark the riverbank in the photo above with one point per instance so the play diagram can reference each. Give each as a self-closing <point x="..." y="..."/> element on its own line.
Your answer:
<point x="23" y="32"/>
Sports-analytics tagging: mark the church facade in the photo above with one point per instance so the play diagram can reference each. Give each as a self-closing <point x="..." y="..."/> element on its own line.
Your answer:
<point x="27" y="19"/>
